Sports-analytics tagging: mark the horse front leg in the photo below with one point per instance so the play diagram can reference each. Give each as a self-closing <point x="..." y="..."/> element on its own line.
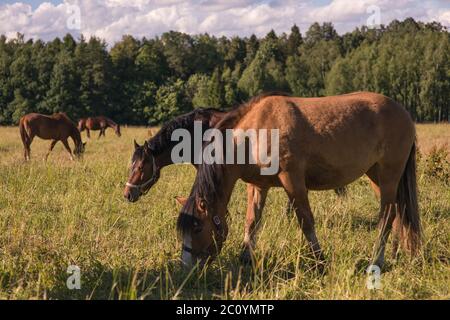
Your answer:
<point x="66" y="145"/>
<point x="256" y="198"/>
<point x="295" y="187"/>
<point x="88" y="133"/>
<point x="52" y="145"/>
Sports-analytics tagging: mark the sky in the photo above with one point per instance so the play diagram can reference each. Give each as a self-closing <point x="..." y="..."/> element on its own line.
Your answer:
<point x="110" y="19"/>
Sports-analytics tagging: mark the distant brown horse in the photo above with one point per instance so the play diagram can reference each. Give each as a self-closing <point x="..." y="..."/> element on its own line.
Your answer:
<point x="98" y="123"/>
<point x="57" y="127"/>
<point x="324" y="143"/>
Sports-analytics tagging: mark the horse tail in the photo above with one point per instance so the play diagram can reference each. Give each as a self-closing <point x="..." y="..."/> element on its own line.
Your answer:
<point x="407" y="221"/>
<point x="23" y="132"/>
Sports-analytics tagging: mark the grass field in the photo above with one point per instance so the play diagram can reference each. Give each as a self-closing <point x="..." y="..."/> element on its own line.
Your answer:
<point x="63" y="213"/>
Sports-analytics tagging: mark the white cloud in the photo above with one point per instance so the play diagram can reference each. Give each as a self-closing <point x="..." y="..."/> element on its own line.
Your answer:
<point x="110" y="19"/>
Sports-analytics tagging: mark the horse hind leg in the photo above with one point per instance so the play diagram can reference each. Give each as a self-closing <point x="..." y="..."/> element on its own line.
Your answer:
<point x="388" y="180"/>
<point x="27" y="152"/>
<point x="372" y="174"/>
<point x="26" y="141"/>
<point x="256" y="198"/>
<point x="28" y="147"/>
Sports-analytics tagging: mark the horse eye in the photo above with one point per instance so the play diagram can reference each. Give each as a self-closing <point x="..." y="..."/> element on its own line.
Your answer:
<point x="197" y="227"/>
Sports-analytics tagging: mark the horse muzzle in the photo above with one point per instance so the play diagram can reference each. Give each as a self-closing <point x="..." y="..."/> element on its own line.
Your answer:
<point x="132" y="194"/>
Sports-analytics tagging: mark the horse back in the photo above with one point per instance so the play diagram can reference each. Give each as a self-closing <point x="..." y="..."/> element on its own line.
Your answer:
<point x="57" y="126"/>
<point x="96" y="123"/>
<point x="334" y="140"/>
<point x="325" y="118"/>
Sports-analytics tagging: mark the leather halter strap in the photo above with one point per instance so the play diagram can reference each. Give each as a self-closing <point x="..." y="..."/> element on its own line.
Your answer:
<point x="217" y="224"/>
<point x="141" y="187"/>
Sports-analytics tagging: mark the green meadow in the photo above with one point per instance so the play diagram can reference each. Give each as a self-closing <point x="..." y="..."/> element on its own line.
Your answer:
<point x="59" y="213"/>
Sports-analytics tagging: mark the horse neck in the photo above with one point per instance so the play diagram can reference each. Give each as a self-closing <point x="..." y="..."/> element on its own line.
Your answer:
<point x="163" y="159"/>
<point x="162" y="147"/>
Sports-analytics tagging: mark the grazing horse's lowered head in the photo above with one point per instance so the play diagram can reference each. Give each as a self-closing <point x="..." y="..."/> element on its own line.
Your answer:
<point x="202" y="231"/>
<point x="117" y="130"/>
<point x="79" y="149"/>
<point x="144" y="172"/>
<point x="202" y="223"/>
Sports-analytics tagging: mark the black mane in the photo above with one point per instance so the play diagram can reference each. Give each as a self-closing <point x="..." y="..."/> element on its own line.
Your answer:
<point x="162" y="140"/>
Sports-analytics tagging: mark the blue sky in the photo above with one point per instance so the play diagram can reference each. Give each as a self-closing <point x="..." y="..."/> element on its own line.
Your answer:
<point x="110" y="19"/>
<point x="33" y="3"/>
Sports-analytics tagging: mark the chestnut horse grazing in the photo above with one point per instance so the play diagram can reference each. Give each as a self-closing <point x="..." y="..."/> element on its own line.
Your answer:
<point x="98" y="123"/>
<point x="57" y="127"/>
<point x="324" y="143"/>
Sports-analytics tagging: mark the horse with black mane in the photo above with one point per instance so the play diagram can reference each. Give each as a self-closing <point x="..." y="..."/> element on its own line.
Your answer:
<point x="150" y="158"/>
<point x="98" y="123"/>
<point x="57" y="127"/>
<point x="324" y="143"/>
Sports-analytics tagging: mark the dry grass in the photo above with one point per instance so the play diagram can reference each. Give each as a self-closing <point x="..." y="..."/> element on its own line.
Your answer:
<point x="59" y="213"/>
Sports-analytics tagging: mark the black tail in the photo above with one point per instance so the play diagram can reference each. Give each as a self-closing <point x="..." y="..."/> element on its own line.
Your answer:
<point x="407" y="223"/>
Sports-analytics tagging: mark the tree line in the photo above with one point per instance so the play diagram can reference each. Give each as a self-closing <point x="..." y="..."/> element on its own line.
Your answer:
<point x="149" y="81"/>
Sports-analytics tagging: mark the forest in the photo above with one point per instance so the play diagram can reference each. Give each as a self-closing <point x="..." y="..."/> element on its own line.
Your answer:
<point x="149" y="81"/>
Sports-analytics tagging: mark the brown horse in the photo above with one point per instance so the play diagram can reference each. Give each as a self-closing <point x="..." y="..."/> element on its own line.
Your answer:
<point x="98" y="123"/>
<point x="149" y="159"/>
<point x="324" y="143"/>
<point x="57" y="127"/>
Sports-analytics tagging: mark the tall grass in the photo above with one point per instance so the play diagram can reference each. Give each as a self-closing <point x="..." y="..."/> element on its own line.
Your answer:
<point x="59" y="213"/>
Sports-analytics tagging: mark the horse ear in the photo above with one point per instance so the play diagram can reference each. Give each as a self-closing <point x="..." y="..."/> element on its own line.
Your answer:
<point x="181" y="200"/>
<point x="136" y="145"/>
